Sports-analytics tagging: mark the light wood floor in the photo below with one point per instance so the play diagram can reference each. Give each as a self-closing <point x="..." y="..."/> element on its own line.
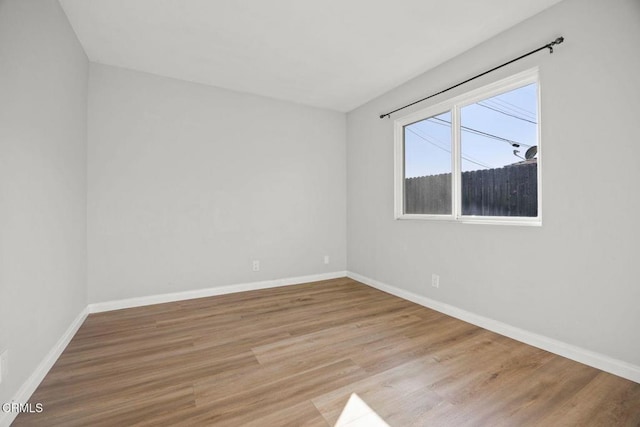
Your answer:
<point x="293" y="356"/>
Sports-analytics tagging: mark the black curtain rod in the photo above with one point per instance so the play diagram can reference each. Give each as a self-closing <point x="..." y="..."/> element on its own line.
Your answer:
<point x="546" y="46"/>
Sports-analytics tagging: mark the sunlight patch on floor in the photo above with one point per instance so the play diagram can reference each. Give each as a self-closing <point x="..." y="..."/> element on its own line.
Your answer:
<point x="357" y="413"/>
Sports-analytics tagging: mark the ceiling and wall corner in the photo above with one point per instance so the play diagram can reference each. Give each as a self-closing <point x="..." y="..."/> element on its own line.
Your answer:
<point x="331" y="54"/>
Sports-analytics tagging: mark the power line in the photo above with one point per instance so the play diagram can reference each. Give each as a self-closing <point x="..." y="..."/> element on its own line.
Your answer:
<point x="481" y="133"/>
<point x="506" y="114"/>
<point x="445" y="144"/>
<point x="444" y="149"/>
<point x="494" y="102"/>
<point x="512" y="105"/>
<point x="430" y="142"/>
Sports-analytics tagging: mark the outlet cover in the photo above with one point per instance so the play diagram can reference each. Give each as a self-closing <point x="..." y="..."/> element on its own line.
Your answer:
<point x="435" y="280"/>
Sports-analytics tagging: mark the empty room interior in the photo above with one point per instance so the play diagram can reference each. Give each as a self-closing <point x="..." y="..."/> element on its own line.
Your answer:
<point x="319" y="213"/>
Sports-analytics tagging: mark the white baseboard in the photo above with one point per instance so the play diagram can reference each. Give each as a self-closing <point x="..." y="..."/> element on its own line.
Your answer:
<point x="208" y="292"/>
<point x="596" y="360"/>
<point x="24" y="393"/>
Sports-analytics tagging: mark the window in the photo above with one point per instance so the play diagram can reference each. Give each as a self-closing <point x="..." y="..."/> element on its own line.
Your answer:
<point x="474" y="158"/>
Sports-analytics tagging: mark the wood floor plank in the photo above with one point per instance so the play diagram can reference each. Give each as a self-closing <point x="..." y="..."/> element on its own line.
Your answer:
<point x="606" y="400"/>
<point x="294" y="355"/>
<point x="257" y="400"/>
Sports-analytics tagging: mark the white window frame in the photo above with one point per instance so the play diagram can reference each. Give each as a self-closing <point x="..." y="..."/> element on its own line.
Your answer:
<point x="455" y="105"/>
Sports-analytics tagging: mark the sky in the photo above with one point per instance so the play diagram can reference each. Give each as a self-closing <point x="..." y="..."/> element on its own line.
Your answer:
<point x="510" y="116"/>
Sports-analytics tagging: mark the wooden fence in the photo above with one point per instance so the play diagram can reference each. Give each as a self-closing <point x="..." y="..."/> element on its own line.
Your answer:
<point x="508" y="191"/>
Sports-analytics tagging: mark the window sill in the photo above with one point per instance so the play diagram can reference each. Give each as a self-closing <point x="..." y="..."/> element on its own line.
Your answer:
<point x="533" y="222"/>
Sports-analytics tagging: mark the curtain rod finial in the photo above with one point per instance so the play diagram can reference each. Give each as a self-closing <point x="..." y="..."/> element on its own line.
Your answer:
<point x="382" y="116"/>
<point x="555" y="42"/>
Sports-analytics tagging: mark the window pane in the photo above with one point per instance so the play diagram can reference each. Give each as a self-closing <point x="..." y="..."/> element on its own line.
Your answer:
<point x="427" y="166"/>
<point x="499" y="155"/>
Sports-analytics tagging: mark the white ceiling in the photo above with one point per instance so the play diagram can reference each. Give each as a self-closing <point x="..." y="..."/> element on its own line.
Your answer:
<point x="335" y="54"/>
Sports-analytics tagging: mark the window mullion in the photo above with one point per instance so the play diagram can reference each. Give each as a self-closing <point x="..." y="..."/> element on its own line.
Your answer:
<point x="456" y="164"/>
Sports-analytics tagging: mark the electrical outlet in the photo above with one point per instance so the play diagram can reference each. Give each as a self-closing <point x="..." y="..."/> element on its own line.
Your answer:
<point x="256" y="265"/>
<point x="326" y="259"/>
<point x="3" y="365"/>
<point x="435" y="280"/>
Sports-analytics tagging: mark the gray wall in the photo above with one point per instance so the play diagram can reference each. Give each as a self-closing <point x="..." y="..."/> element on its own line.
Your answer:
<point x="574" y="279"/>
<point x="43" y="108"/>
<point x="189" y="183"/>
